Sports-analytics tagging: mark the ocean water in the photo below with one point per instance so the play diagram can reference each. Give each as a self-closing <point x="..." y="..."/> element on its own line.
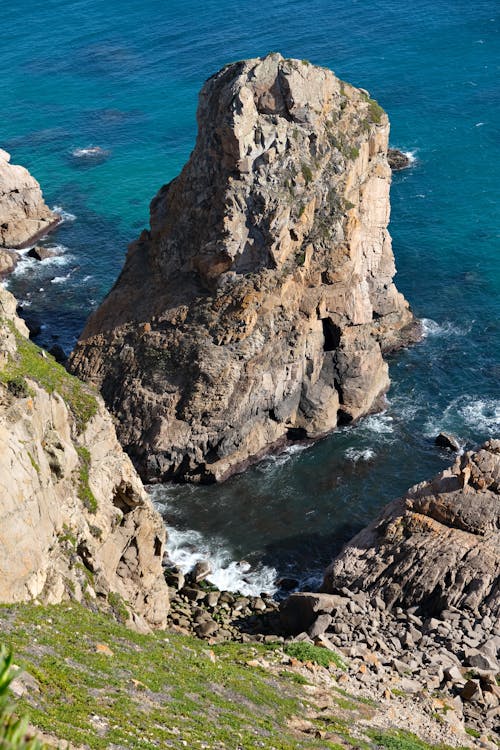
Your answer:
<point x="98" y="100"/>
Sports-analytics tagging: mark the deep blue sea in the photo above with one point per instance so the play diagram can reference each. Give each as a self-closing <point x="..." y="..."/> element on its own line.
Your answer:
<point x="124" y="77"/>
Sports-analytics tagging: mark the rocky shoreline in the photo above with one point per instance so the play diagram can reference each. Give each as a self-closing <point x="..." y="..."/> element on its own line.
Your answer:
<point x="444" y="654"/>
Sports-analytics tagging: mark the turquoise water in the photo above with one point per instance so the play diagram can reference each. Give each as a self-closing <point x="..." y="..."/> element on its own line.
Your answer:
<point x="80" y="73"/>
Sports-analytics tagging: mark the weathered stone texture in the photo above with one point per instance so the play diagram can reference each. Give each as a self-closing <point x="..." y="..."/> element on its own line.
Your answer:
<point x="259" y="303"/>
<point x="438" y="547"/>
<point x="24" y="216"/>
<point x="53" y="544"/>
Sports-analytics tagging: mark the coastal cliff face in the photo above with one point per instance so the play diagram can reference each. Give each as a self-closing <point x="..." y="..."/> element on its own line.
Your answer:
<point x="258" y="305"/>
<point x="75" y="521"/>
<point x="437" y="547"/>
<point x="24" y="216"/>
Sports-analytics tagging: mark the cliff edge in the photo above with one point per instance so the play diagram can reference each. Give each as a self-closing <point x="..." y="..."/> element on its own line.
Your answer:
<point x="75" y="521"/>
<point x="257" y="306"/>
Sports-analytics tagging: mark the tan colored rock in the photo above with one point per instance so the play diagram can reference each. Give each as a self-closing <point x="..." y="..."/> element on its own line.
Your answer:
<point x="75" y="521"/>
<point x="24" y="216"/>
<point x="258" y="305"/>
<point x="8" y="261"/>
<point x="437" y="547"/>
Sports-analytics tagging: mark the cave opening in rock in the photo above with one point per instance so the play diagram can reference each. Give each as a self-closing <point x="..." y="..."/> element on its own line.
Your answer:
<point x="331" y="334"/>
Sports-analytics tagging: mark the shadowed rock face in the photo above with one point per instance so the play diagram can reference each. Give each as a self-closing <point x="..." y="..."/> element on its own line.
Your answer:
<point x="437" y="547"/>
<point x="24" y="215"/>
<point x="259" y="303"/>
<point x="75" y="521"/>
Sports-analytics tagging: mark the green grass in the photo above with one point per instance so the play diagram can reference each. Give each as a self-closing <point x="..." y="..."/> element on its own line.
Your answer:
<point x="401" y="740"/>
<point x="30" y="363"/>
<point x="473" y="732"/>
<point x="315" y="654"/>
<point x="102" y="685"/>
<point x="159" y="690"/>
<point x="84" y="492"/>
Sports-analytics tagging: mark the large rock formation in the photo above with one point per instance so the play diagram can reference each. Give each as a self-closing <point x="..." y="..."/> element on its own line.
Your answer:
<point x="75" y="521"/>
<point x="24" y="215"/>
<point x="258" y="305"/>
<point x="437" y="547"/>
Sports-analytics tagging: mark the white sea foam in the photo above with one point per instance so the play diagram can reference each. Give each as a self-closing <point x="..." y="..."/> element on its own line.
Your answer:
<point x="432" y="328"/>
<point x="65" y="215"/>
<point x="381" y="424"/>
<point x="411" y="156"/>
<point x="89" y="152"/>
<point x="279" y="459"/>
<point x="186" y="548"/>
<point x="359" y="454"/>
<point x="482" y="414"/>
<point x="60" y="279"/>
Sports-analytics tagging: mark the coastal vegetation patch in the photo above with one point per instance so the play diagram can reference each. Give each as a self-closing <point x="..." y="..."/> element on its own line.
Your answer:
<point x="32" y="363"/>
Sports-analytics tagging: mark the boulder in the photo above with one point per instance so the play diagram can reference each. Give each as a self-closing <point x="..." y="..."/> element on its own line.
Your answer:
<point x="397" y="159"/>
<point x="300" y="611"/>
<point x="24" y="216"/>
<point x="39" y="252"/>
<point x="257" y="306"/>
<point x="445" y="440"/>
<point x="437" y="547"/>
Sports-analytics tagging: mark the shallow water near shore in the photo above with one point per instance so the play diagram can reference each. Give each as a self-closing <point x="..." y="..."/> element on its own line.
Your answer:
<point x="100" y="105"/>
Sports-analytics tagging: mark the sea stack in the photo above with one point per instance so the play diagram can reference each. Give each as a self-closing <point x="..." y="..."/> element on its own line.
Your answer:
<point x="24" y="216"/>
<point x="258" y="305"/>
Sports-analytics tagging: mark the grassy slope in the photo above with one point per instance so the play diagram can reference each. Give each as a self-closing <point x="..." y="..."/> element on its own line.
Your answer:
<point x="165" y="690"/>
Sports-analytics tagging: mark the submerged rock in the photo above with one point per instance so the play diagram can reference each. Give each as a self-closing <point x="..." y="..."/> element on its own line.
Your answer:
<point x="75" y="521"/>
<point x="438" y="547"/>
<point x="24" y="215"/>
<point x="257" y="307"/>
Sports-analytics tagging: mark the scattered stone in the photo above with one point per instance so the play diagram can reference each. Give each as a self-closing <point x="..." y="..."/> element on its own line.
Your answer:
<point x="471" y="691"/>
<point x="201" y="570"/>
<point x="103" y="648"/>
<point x="320" y="625"/>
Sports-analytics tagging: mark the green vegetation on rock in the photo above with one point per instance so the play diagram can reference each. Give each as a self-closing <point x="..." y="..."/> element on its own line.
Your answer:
<point x="315" y="654"/>
<point x="33" y="363"/>
<point x="84" y="492"/>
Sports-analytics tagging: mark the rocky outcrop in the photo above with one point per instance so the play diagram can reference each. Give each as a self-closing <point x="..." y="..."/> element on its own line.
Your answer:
<point x="24" y="215"/>
<point x="436" y="548"/>
<point x="258" y="305"/>
<point x="75" y="521"/>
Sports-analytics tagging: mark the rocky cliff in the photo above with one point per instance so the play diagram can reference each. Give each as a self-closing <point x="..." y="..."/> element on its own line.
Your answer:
<point x="437" y="547"/>
<point x="75" y="521"/>
<point x="24" y="215"/>
<point x="258" y="305"/>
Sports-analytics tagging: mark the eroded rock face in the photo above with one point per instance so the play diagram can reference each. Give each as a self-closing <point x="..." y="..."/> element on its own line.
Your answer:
<point x="437" y="547"/>
<point x="24" y="216"/>
<point x="75" y="521"/>
<point x="259" y="303"/>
